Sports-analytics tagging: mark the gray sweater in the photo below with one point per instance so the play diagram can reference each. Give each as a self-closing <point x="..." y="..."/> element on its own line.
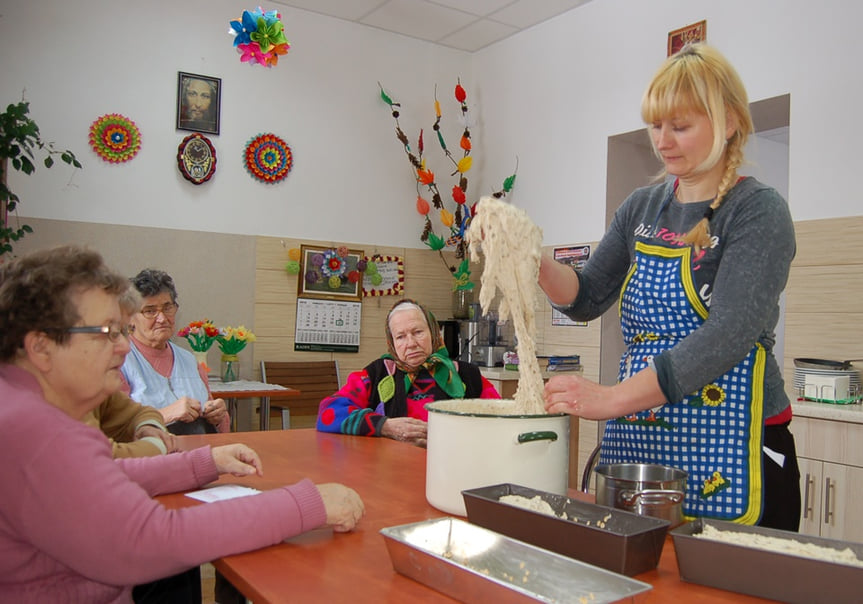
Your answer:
<point x="740" y="279"/>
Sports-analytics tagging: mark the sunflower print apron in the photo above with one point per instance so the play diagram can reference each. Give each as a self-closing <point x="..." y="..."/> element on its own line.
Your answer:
<point x="713" y="434"/>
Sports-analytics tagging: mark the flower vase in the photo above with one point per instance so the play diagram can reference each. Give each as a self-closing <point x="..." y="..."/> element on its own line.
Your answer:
<point x="230" y="368"/>
<point x="461" y="301"/>
<point x="201" y="358"/>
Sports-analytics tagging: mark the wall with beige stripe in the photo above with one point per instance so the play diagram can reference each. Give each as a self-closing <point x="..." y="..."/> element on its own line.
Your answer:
<point x="235" y="279"/>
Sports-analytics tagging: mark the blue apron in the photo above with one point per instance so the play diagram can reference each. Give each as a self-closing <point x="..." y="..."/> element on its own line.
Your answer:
<point x="714" y="434"/>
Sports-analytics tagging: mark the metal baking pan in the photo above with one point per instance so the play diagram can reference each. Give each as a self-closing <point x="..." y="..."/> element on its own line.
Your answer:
<point x="473" y="564"/>
<point x="764" y="573"/>
<point x="610" y="538"/>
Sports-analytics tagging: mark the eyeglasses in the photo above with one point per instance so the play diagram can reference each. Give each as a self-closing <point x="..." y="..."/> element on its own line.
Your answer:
<point x="112" y="331"/>
<point x="169" y="310"/>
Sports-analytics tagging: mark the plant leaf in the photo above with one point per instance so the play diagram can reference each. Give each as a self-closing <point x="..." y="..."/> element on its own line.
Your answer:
<point x="508" y="183"/>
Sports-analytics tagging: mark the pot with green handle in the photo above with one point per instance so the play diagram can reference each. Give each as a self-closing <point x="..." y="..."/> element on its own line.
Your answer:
<point x="480" y="442"/>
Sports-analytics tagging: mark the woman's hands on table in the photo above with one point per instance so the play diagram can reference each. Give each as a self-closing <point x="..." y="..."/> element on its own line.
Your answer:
<point x="343" y="504"/>
<point x="238" y="460"/>
<point x="407" y="429"/>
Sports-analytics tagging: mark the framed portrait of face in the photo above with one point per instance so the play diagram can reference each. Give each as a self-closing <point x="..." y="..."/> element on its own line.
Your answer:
<point x="330" y="273"/>
<point x="199" y="100"/>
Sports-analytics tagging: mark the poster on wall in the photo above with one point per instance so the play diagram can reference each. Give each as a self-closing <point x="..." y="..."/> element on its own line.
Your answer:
<point x="388" y="279"/>
<point x="575" y="256"/>
<point x="327" y="325"/>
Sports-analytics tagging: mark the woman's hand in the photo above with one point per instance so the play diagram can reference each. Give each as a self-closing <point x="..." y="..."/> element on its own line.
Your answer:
<point x="169" y="439"/>
<point x="408" y="429"/>
<point x="578" y="396"/>
<point x="215" y="411"/>
<point x="344" y="506"/>
<point x="238" y="460"/>
<point x="185" y="409"/>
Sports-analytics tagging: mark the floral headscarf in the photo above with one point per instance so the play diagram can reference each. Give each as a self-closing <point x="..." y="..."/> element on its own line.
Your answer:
<point x="438" y="364"/>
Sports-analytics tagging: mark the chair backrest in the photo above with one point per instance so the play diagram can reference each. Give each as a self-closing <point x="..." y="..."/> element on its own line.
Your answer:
<point x="315" y="380"/>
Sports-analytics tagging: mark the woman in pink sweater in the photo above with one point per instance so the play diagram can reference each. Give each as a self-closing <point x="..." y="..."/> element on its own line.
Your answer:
<point x="75" y="525"/>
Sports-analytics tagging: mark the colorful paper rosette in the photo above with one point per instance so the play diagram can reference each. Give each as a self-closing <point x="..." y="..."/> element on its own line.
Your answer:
<point x="115" y="138"/>
<point x="268" y="158"/>
<point x="259" y="37"/>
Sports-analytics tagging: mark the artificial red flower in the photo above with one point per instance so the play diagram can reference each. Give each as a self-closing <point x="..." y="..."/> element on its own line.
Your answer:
<point x="458" y="195"/>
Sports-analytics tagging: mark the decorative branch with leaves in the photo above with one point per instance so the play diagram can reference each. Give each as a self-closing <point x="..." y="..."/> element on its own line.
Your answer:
<point x="20" y="140"/>
<point x="456" y="222"/>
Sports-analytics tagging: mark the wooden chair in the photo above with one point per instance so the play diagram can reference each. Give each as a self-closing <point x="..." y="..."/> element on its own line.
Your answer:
<point x="315" y="380"/>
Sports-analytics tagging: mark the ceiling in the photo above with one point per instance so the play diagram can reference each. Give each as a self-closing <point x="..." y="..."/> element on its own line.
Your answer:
<point x="468" y="25"/>
<point x="461" y="24"/>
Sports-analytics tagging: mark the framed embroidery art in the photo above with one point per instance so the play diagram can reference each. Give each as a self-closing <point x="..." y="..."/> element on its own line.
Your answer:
<point x="330" y="273"/>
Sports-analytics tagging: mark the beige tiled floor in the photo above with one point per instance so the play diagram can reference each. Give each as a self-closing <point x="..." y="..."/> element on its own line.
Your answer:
<point x="208" y="581"/>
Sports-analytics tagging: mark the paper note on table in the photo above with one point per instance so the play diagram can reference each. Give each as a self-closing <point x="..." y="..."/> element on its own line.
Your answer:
<point x="222" y="492"/>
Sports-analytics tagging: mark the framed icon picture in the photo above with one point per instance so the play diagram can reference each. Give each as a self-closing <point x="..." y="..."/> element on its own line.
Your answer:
<point x="677" y="39"/>
<point x="330" y="273"/>
<point x="199" y="100"/>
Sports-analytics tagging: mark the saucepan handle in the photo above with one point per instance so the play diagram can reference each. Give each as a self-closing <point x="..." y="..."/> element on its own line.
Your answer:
<point x="528" y="437"/>
<point x="651" y="496"/>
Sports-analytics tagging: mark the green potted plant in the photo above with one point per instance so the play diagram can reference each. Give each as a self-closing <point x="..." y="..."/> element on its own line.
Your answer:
<point x="20" y="140"/>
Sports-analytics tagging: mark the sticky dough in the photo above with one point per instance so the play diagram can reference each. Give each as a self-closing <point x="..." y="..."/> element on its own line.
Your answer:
<point x="511" y="245"/>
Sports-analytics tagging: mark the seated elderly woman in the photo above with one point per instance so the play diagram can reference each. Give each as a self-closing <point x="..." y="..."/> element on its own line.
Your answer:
<point x="134" y="430"/>
<point x="75" y="524"/>
<point x="387" y="397"/>
<point x="165" y="376"/>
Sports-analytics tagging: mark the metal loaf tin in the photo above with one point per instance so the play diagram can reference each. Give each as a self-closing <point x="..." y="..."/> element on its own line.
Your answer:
<point x="472" y="564"/>
<point x="610" y="538"/>
<point x="763" y="573"/>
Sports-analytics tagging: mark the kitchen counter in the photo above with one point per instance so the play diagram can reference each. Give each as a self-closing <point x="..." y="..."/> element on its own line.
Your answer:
<point x="852" y="413"/>
<point x="499" y="373"/>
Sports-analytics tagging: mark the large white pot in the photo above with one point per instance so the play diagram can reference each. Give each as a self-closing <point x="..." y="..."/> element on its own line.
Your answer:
<point x="476" y="443"/>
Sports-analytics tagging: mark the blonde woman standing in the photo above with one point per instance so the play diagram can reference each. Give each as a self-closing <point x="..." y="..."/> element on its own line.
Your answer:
<point x="696" y="266"/>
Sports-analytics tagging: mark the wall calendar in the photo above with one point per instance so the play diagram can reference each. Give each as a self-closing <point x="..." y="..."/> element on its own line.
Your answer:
<point x="327" y="325"/>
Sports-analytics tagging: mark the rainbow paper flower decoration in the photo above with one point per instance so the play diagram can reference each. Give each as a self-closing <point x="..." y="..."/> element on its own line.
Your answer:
<point x="259" y="37"/>
<point x="268" y="158"/>
<point x="334" y="264"/>
<point x="115" y="138"/>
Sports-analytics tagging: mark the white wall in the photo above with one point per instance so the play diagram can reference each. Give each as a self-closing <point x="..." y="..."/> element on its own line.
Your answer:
<point x="550" y="96"/>
<point x="555" y="93"/>
<point x="79" y="60"/>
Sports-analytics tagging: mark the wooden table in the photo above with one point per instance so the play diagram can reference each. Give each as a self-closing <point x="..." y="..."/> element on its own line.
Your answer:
<point x="244" y="389"/>
<point x="322" y="566"/>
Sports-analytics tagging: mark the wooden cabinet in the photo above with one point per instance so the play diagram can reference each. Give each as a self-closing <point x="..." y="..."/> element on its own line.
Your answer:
<point x="831" y="477"/>
<point x="831" y="495"/>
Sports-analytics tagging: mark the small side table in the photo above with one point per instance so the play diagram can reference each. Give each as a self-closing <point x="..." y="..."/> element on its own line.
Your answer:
<point x="245" y="389"/>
